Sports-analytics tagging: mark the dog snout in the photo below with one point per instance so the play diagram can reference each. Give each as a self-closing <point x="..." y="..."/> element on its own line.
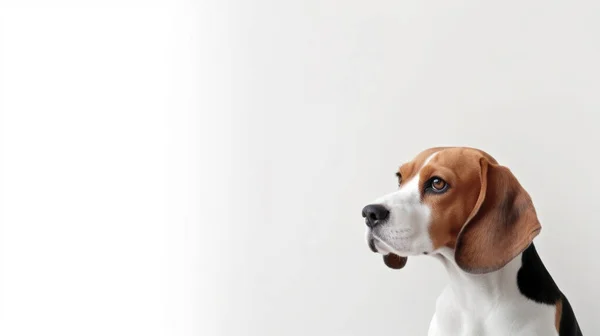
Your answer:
<point x="375" y="214"/>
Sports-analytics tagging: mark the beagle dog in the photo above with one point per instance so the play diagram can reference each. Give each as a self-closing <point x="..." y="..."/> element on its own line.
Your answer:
<point x="460" y="206"/>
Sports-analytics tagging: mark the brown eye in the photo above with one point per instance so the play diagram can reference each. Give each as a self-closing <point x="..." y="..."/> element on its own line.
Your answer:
<point x="437" y="185"/>
<point x="399" y="178"/>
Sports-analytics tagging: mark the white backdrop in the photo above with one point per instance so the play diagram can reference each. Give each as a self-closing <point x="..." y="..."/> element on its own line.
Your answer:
<point x="111" y="115"/>
<point x="198" y="168"/>
<point x="333" y="95"/>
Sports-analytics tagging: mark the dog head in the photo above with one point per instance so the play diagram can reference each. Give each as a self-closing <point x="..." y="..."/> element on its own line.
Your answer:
<point x="454" y="197"/>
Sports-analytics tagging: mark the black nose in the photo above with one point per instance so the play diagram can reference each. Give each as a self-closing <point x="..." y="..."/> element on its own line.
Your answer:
<point x="375" y="214"/>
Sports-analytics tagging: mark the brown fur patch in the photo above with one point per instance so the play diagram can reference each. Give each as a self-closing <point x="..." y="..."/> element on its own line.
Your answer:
<point x="460" y="169"/>
<point x="485" y="215"/>
<point x="503" y="223"/>
<point x="410" y="169"/>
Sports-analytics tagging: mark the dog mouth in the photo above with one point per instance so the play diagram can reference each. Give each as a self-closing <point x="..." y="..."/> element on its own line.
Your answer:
<point x="390" y="259"/>
<point x="394" y="261"/>
<point x="372" y="245"/>
<point x="378" y="245"/>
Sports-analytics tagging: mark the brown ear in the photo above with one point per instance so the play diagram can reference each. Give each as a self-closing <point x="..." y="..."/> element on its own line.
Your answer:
<point x="502" y="224"/>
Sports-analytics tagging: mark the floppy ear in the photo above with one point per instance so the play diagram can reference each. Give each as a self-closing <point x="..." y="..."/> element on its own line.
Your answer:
<point x="502" y="224"/>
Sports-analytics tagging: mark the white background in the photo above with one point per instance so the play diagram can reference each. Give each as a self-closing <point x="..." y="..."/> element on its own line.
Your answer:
<point x="198" y="168"/>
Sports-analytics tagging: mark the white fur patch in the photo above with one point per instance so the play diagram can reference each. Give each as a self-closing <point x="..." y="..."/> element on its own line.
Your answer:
<point x="488" y="304"/>
<point x="406" y="231"/>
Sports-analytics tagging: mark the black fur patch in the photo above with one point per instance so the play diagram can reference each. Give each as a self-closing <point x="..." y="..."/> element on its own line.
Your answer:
<point x="568" y="322"/>
<point x="535" y="283"/>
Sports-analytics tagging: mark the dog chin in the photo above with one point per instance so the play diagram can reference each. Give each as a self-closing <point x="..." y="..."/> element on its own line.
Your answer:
<point x="383" y="248"/>
<point x="391" y="259"/>
<point x="379" y="247"/>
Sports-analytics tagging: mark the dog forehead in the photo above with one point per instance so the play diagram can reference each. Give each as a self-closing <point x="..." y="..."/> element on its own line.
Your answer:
<point x="458" y="159"/>
<point x="411" y="167"/>
<point x="451" y="156"/>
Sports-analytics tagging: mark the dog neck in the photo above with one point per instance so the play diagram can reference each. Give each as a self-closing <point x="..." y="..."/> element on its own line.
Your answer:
<point x="481" y="293"/>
